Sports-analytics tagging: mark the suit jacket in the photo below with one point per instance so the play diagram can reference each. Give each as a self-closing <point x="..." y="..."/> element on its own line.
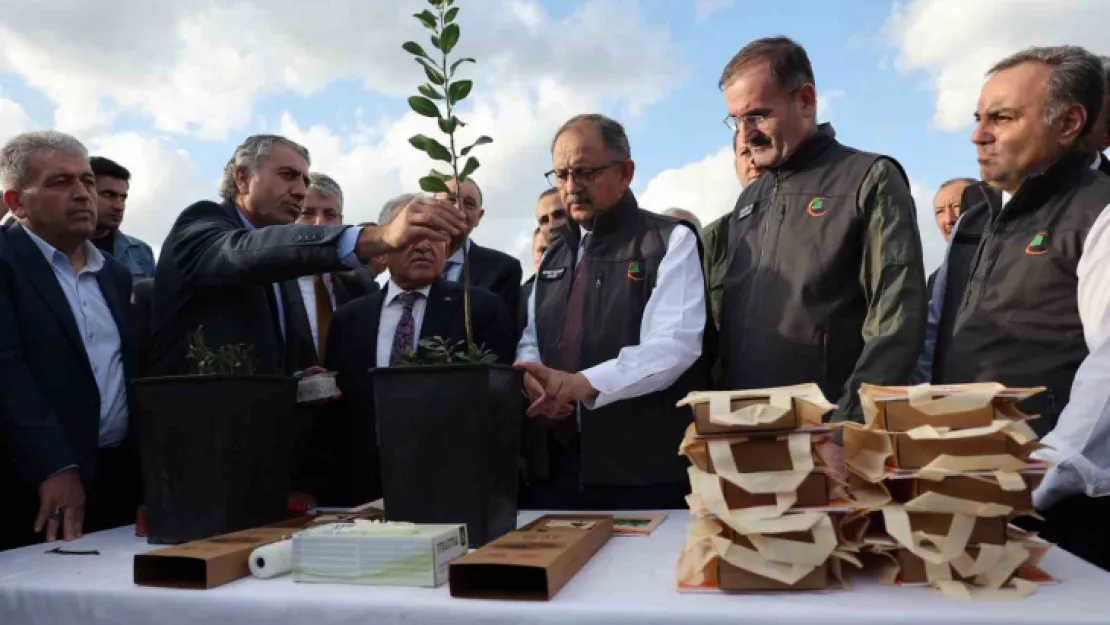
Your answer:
<point x="499" y="273"/>
<point x="347" y="440"/>
<point x="346" y="289"/>
<point x="50" y="405"/>
<point x="216" y="274"/>
<point x="140" y="316"/>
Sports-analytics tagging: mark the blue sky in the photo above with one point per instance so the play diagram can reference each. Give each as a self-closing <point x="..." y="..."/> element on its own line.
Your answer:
<point x="169" y="91"/>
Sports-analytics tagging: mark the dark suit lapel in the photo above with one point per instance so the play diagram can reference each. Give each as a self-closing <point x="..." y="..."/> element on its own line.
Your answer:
<point x="339" y="287"/>
<point x="299" y="347"/>
<point x="443" y="301"/>
<point x="41" y="276"/>
<point x="479" y="266"/>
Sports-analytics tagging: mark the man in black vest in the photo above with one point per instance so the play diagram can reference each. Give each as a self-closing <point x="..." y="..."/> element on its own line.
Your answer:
<point x="618" y="320"/>
<point x="825" y="281"/>
<point x="1033" y="300"/>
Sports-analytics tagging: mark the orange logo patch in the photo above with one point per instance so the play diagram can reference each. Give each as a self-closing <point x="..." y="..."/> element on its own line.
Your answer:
<point x="816" y="207"/>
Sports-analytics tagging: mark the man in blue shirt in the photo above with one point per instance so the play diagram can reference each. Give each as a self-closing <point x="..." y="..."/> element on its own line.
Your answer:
<point x="113" y="182"/>
<point x="65" y="349"/>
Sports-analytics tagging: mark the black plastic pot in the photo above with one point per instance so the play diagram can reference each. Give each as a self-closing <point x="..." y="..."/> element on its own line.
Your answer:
<point x="449" y="442"/>
<point x="216" y="452"/>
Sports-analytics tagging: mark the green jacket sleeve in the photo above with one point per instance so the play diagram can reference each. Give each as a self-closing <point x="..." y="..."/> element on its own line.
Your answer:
<point x="893" y="278"/>
<point x="715" y="240"/>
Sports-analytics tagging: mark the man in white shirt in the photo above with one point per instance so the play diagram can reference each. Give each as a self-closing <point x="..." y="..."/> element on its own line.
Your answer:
<point x="381" y="330"/>
<point x="615" y="334"/>
<point x="1033" y="309"/>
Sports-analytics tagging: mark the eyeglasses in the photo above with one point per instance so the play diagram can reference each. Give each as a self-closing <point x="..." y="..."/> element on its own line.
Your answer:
<point x="559" y="177"/>
<point x="735" y="123"/>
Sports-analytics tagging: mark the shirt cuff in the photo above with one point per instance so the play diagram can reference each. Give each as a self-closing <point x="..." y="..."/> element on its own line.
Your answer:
<point x="346" y="248"/>
<point x="600" y="377"/>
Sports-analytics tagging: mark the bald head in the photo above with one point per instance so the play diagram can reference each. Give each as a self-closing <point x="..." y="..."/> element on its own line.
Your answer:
<point x="684" y="215"/>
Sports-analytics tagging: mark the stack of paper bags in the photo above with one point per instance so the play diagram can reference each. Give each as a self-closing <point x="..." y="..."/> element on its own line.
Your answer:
<point x="940" y="472"/>
<point x="762" y="500"/>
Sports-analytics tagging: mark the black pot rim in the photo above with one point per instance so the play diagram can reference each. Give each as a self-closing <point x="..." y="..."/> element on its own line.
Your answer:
<point x="197" y="379"/>
<point x="466" y="366"/>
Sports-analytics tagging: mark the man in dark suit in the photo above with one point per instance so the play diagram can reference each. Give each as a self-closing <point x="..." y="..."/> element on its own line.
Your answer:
<point x="65" y="351"/>
<point x="376" y="331"/>
<point x="490" y="269"/>
<point x="231" y="268"/>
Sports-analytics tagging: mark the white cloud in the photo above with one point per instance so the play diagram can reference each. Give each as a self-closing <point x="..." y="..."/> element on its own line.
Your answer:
<point x="932" y="242"/>
<point x="706" y="8"/>
<point x="13" y="120"/>
<point x="955" y="42"/>
<point x="708" y="188"/>
<point x="825" y="101"/>
<point x="197" y="66"/>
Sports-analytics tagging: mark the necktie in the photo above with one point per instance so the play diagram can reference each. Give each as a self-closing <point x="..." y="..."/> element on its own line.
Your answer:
<point x="448" y="269"/>
<point x="570" y="347"/>
<point x="406" y="329"/>
<point x="323" y="315"/>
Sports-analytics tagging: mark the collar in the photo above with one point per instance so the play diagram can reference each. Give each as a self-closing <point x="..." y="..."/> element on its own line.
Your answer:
<point x="392" y="291"/>
<point x="606" y="222"/>
<point x="457" y="257"/>
<point x="810" y="148"/>
<point x="1097" y="162"/>
<point x="94" y="260"/>
<point x="243" y="218"/>
<point x="1071" y="163"/>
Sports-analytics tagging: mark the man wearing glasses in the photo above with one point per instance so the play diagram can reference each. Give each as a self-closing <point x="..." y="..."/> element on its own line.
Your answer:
<point x="616" y="325"/>
<point x="112" y="184"/>
<point x="825" y="281"/>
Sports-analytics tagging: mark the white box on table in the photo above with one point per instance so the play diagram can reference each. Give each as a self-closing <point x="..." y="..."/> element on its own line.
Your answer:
<point x="337" y="555"/>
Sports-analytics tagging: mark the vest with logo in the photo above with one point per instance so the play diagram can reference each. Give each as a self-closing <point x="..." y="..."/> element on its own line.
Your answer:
<point x="1017" y="319"/>
<point x="793" y="306"/>
<point x="634" y="441"/>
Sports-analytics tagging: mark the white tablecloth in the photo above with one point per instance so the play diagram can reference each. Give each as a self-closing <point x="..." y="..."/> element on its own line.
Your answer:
<point x="631" y="580"/>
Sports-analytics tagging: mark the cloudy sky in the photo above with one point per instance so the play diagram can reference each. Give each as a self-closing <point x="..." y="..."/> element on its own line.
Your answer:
<point x="170" y="88"/>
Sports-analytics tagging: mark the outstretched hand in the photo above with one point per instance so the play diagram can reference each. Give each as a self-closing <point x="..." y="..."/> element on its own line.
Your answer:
<point x="554" y="392"/>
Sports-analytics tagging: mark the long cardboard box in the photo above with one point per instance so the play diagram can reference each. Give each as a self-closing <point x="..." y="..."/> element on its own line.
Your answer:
<point x="733" y="578"/>
<point x="532" y="563"/>
<point x="972" y="489"/>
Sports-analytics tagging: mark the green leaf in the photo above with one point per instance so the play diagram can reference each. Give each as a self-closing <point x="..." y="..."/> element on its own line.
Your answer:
<point x="436" y="150"/>
<point x="459" y="90"/>
<point x="431" y="184"/>
<point x="471" y="165"/>
<point x="450" y="38"/>
<point x="448" y="125"/>
<point x="459" y="62"/>
<point x="418" y="141"/>
<point x="429" y="91"/>
<point x="482" y="140"/>
<point x="441" y="176"/>
<point x="414" y="48"/>
<point x="432" y="72"/>
<point x="423" y="106"/>
<point x="436" y="42"/>
<point x="427" y="19"/>
<point x="451" y="13"/>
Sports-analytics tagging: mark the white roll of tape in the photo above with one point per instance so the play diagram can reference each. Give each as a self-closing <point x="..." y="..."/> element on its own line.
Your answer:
<point x="272" y="560"/>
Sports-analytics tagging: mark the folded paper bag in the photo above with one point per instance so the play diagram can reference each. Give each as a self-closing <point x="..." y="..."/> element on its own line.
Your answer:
<point x="903" y="408"/>
<point x="758" y="410"/>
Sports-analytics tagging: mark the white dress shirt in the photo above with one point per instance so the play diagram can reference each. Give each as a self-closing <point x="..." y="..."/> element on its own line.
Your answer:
<point x="1080" y="442"/>
<point x="391" y="316"/>
<point x="670" y="332"/>
<point x="99" y="333"/>
<point x="307" y="285"/>
<point x="454" y="264"/>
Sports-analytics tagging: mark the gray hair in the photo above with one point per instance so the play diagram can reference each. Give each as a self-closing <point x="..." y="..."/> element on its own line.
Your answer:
<point x="17" y="154"/>
<point x="952" y="181"/>
<point x="1075" y="76"/>
<point x="612" y="133"/>
<point x="392" y="206"/>
<point x="249" y="155"/>
<point x="326" y="185"/>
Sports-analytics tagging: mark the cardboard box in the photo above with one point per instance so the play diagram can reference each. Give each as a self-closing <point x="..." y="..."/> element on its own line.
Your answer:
<point x="813" y="491"/>
<point x="326" y="554"/>
<point x="904" y="490"/>
<point x="204" y="564"/>
<point x="756" y="455"/>
<point x="212" y="562"/>
<point x="888" y="408"/>
<point x="802" y="414"/>
<point x="912" y="453"/>
<point x="733" y="578"/>
<point x="532" y="563"/>
<point x="986" y="531"/>
<point x="900" y="416"/>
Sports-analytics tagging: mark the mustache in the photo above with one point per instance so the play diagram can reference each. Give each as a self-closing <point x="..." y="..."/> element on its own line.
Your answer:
<point x="576" y="198"/>
<point x="759" y="141"/>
